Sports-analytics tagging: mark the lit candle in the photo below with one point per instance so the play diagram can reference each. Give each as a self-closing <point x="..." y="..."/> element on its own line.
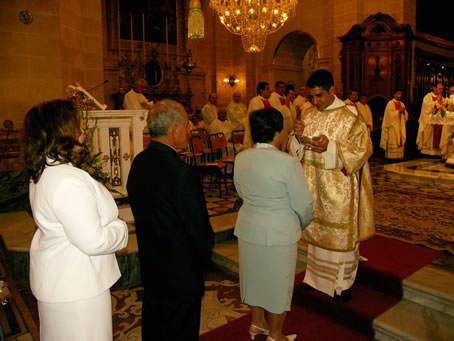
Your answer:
<point x="167" y="44"/>
<point x="143" y="35"/>
<point x="132" y="39"/>
<point x="119" y="38"/>
<point x="178" y="32"/>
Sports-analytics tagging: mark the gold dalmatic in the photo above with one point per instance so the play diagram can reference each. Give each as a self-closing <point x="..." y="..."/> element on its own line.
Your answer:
<point x="343" y="196"/>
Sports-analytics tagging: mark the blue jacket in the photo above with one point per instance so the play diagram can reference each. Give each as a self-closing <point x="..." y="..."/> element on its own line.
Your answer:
<point x="277" y="203"/>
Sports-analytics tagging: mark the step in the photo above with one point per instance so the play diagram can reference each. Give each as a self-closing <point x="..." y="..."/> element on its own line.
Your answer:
<point x="431" y="287"/>
<point x="427" y="294"/>
<point x="225" y="256"/>
<point x="411" y="321"/>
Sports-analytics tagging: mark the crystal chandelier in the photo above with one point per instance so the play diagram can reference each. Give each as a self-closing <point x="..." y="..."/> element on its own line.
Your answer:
<point x="253" y="20"/>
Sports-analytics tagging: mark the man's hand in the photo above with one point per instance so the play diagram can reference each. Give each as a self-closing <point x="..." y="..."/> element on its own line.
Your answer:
<point x="318" y="146"/>
<point x="299" y="127"/>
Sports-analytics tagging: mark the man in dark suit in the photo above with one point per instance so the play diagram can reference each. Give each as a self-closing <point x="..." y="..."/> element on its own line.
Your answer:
<point x="174" y="234"/>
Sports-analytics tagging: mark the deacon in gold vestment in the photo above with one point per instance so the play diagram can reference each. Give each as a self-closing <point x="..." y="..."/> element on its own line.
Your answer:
<point x="338" y="176"/>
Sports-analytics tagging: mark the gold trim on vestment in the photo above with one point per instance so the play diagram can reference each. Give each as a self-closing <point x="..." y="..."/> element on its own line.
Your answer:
<point x="343" y="202"/>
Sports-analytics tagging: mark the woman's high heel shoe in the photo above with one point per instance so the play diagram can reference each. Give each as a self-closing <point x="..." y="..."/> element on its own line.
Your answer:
<point x="289" y="338"/>
<point x="256" y="330"/>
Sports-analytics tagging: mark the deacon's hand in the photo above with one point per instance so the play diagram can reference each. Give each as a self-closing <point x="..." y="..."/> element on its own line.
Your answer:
<point x="318" y="146"/>
<point x="298" y="127"/>
<point x="298" y="113"/>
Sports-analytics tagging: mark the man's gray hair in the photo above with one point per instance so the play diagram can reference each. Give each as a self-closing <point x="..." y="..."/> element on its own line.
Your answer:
<point x="162" y="115"/>
<point x="140" y="81"/>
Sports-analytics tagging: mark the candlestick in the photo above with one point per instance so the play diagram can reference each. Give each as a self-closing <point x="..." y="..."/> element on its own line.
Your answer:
<point x="132" y="39"/>
<point x="167" y="44"/>
<point x="143" y="36"/>
<point x="178" y="31"/>
<point x="119" y="37"/>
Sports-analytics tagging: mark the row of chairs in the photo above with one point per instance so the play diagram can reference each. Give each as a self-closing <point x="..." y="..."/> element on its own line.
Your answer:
<point x="209" y="154"/>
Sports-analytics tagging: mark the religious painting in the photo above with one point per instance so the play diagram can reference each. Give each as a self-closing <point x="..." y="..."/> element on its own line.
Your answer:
<point x="153" y="19"/>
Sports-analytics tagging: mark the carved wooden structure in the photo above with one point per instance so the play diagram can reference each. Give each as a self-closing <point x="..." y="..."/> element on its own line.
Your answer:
<point x="376" y="58"/>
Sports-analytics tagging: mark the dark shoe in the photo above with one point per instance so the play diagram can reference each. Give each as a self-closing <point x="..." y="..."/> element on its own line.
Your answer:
<point x="306" y="286"/>
<point x="344" y="297"/>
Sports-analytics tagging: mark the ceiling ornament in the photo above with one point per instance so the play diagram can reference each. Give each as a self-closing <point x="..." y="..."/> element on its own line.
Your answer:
<point x="196" y="28"/>
<point x="253" y="20"/>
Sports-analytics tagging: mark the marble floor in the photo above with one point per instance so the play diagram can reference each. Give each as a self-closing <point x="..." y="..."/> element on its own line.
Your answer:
<point x="427" y="175"/>
<point x="423" y="171"/>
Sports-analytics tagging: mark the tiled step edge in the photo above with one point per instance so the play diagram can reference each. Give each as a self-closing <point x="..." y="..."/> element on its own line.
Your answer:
<point x="431" y="287"/>
<point x="224" y="258"/>
<point x="411" y="321"/>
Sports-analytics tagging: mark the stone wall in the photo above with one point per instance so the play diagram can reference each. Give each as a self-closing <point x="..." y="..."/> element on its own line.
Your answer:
<point x="62" y="45"/>
<point x="221" y="53"/>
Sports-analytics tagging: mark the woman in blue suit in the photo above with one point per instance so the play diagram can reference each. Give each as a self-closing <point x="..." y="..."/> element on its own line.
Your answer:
<point x="277" y="204"/>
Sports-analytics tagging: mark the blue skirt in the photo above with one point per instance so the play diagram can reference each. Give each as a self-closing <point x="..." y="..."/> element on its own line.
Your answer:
<point x="267" y="274"/>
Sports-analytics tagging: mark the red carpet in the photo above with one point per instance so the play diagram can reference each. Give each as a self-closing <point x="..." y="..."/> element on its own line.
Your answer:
<point x="316" y="316"/>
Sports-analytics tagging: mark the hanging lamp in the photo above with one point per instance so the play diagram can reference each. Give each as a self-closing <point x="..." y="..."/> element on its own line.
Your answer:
<point x="195" y="20"/>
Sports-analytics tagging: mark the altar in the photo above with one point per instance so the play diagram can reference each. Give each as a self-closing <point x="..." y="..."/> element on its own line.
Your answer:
<point x="118" y="136"/>
<point x="443" y="115"/>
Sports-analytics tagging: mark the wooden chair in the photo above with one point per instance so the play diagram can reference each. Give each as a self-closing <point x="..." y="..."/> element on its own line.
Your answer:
<point x="203" y="134"/>
<point x="219" y="148"/>
<point x="9" y="141"/>
<point x="214" y="168"/>
<point x="237" y="139"/>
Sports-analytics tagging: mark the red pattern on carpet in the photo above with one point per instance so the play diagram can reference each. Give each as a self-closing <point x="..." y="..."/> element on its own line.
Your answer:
<point x="316" y="316"/>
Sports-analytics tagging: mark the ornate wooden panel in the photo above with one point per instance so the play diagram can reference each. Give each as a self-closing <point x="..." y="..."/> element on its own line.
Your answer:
<point x="376" y="57"/>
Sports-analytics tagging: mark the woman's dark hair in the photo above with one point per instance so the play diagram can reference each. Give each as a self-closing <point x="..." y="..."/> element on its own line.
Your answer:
<point x="264" y="124"/>
<point x="51" y="129"/>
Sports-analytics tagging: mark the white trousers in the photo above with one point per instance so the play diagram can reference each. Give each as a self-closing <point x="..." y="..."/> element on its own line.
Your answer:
<point x="87" y="320"/>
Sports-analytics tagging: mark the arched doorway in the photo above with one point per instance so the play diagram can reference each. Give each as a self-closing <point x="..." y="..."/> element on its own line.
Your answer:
<point x="294" y="59"/>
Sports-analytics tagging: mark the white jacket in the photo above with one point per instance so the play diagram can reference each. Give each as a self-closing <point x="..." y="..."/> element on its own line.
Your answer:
<point x="72" y="253"/>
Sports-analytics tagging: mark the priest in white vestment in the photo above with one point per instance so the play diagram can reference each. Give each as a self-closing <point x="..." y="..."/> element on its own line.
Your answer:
<point x="279" y="102"/>
<point x="337" y="172"/>
<point x="222" y="125"/>
<point x="236" y="111"/>
<point x="365" y="112"/>
<point x="393" y="131"/>
<point x="134" y="99"/>
<point x="447" y="134"/>
<point x="210" y="110"/>
<point x="352" y="98"/>
<point x="301" y="98"/>
<point x="429" y="135"/>
<point x="258" y="102"/>
<point x="290" y="99"/>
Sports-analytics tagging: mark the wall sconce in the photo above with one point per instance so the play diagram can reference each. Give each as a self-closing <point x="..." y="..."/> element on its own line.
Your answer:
<point x="231" y="80"/>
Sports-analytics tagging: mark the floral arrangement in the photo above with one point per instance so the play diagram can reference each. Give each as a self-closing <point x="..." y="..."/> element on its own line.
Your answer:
<point x="90" y="161"/>
<point x="442" y="107"/>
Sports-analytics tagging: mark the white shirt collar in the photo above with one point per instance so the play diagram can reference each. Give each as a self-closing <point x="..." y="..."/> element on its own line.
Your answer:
<point x="337" y="103"/>
<point x="262" y="145"/>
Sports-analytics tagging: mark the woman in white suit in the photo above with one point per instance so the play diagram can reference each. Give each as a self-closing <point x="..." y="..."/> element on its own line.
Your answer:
<point x="277" y="204"/>
<point x="72" y="255"/>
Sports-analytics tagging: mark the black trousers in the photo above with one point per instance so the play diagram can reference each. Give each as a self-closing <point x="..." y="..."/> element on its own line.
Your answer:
<point x="166" y="319"/>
